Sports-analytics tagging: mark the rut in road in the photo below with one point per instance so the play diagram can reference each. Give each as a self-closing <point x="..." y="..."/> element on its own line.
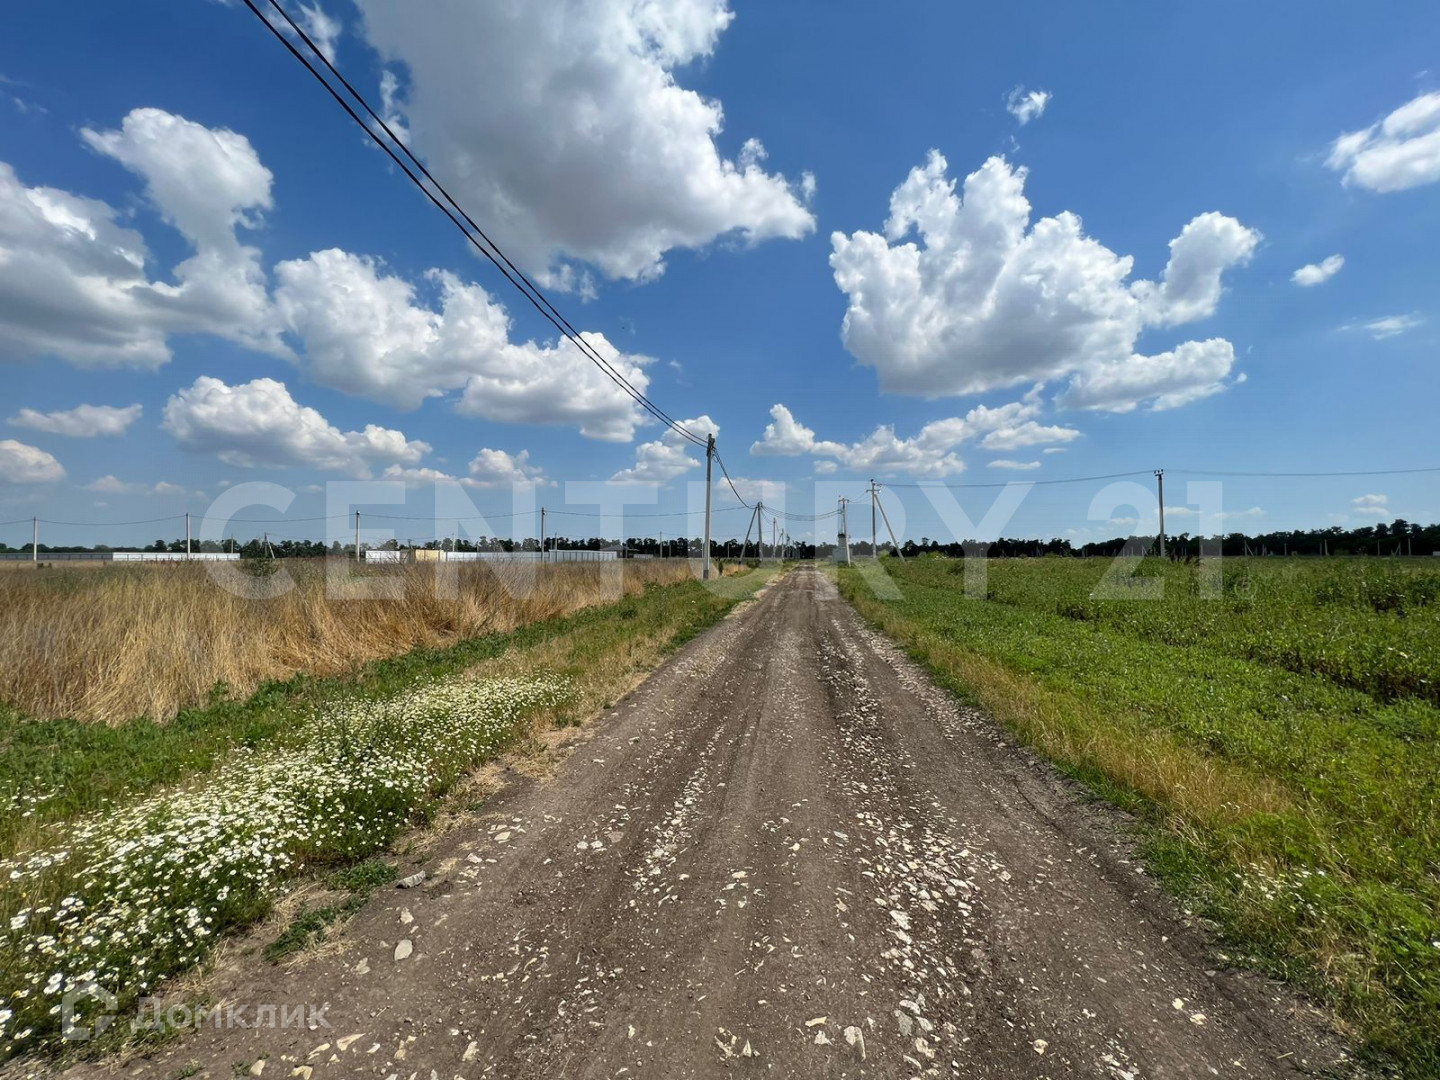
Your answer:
<point x="786" y="854"/>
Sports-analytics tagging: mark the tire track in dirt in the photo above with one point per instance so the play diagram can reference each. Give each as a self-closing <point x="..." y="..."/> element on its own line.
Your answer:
<point x="786" y="854"/>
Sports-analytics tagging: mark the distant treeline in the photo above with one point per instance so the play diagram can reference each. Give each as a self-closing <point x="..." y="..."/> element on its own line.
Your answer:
<point x="1399" y="537"/>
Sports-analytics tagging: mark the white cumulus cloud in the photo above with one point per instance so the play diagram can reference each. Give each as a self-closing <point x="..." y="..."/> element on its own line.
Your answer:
<point x="207" y="183"/>
<point x="500" y="469"/>
<point x="22" y="464"/>
<point x="929" y="453"/>
<point x="668" y="457"/>
<point x="365" y="332"/>
<point x="1026" y="105"/>
<point x="786" y="437"/>
<point x="1401" y="151"/>
<point x="74" y="283"/>
<point x="81" y="422"/>
<point x="1373" y="505"/>
<point x="985" y="299"/>
<point x="258" y="423"/>
<point x="566" y="130"/>
<point x="1318" y="273"/>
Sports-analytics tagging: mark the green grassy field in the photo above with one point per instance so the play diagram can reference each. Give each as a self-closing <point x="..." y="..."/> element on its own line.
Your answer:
<point x="1279" y="736"/>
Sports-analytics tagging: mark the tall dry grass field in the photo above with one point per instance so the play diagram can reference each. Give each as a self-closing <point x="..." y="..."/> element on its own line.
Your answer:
<point x="151" y="640"/>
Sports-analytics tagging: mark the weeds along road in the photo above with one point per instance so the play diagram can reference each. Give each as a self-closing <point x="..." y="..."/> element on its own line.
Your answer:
<point x="785" y="855"/>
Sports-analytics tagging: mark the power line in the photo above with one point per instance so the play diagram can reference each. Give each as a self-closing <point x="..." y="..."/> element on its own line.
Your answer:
<point x="675" y="514"/>
<point x="110" y="524"/>
<point x="1293" y="475"/>
<point x="789" y="516"/>
<point x="736" y="491"/>
<point x="1007" y="483"/>
<point x="767" y="511"/>
<point x="531" y="291"/>
<point x="489" y="248"/>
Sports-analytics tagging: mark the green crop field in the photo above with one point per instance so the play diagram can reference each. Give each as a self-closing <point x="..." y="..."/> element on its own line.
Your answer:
<point x="1275" y="726"/>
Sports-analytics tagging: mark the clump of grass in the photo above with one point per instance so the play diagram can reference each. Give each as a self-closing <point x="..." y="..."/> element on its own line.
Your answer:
<point x="309" y="925"/>
<point x="359" y="880"/>
<point x="107" y="646"/>
<point x="364" y="877"/>
<point x="143" y="892"/>
<point x="1281" y="739"/>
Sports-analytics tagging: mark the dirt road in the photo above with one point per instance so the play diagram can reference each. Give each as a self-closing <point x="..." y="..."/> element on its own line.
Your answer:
<point x="785" y="855"/>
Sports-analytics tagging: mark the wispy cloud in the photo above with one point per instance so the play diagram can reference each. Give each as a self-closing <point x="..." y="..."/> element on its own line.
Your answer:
<point x="1387" y="327"/>
<point x="1026" y="105"/>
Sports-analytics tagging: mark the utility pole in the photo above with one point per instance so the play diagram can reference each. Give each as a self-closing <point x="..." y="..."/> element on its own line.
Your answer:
<point x="1160" y="479"/>
<point x="845" y="528"/>
<point x="709" y="459"/>
<point x="542" y="534"/>
<point x="874" y="494"/>
<point x="34" y="540"/>
<point x="187" y="534"/>
<point x="886" y="518"/>
<point x="775" y="538"/>
<point x="357" y="537"/>
<point x="745" y="545"/>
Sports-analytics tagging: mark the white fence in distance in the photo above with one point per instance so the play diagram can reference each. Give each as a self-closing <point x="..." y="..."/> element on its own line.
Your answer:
<point x="120" y="556"/>
<point x="428" y="555"/>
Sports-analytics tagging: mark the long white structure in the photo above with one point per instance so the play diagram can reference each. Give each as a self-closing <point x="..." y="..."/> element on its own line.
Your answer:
<point x="431" y="555"/>
<point x="121" y="556"/>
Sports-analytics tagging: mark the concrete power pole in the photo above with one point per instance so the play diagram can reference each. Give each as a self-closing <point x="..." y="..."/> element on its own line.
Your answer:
<point x="845" y="527"/>
<point x="357" y="537"/>
<point x="745" y="544"/>
<point x="709" y="461"/>
<point x="886" y="518"/>
<point x="187" y="534"/>
<point x="874" y="536"/>
<point x="1160" y="479"/>
<point x="542" y="534"/>
<point x="34" y="539"/>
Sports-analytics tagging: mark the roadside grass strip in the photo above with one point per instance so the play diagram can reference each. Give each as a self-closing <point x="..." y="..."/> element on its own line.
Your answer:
<point x="1280" y="740"/>
<point x="143" y="891"/>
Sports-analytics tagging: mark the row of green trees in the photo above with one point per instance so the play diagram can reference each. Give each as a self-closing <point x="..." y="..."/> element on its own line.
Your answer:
<point x="1399" y="537"/>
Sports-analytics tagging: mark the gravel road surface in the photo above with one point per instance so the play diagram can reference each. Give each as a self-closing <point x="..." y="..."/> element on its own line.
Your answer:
<point x="787" y="854"/>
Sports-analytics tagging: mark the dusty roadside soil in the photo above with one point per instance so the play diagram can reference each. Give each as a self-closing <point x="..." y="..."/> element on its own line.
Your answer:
<point x="785" y="855"/>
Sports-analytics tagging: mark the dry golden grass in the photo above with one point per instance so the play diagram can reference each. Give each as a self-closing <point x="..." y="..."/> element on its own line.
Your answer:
<point x="150" y="640"/>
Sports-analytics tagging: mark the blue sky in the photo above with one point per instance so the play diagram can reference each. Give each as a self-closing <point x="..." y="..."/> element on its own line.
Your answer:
<point x="189" y="225"/>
